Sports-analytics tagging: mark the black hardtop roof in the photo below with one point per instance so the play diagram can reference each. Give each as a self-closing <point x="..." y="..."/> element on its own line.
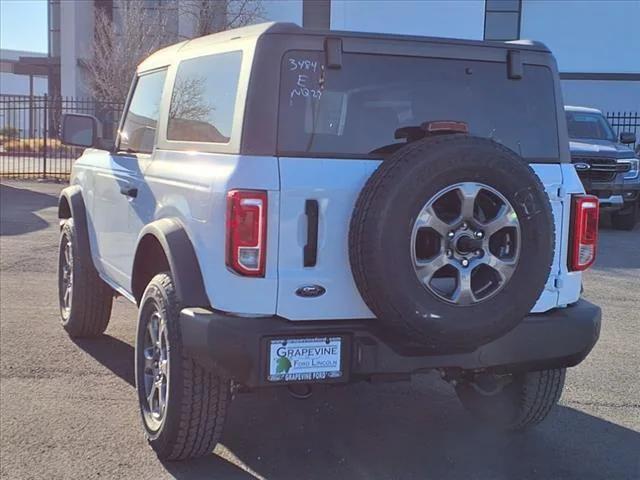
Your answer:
<point x="294" y="29"/>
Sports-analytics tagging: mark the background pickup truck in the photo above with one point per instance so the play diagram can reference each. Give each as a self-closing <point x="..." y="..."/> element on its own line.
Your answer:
<point x="607" y="168"/>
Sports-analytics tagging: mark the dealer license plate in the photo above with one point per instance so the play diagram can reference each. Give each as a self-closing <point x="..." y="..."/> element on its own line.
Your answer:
<point x="305" y="359"/>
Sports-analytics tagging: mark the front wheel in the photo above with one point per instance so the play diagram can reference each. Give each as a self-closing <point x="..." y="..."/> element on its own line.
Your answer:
<point x="183" y="405"/>
<point x="522" y="401"/>
<point x="85" y="299"/>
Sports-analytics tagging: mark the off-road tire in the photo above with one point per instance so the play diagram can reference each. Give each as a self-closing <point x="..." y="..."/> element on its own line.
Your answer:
<point x="521" y="404"/>
<point x="627" y="220"/>
<point x="198" y="398"/>
<point x="91" y="298"/>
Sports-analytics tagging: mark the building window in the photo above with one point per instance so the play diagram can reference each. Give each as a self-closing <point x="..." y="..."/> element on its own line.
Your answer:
<point x="502" y="19"/>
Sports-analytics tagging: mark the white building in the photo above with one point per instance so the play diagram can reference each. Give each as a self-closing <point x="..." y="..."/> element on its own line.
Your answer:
<point x="596" y="42"/>
<point x="16" y="82"/>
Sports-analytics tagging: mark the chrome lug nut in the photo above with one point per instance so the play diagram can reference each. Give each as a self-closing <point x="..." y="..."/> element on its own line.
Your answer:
<point x="465" y="262"/>
<point x="478" y="253"/>
<point x="479" y="234"/>
<point x="449" y="253"/>
<point x="450" y="234"/>
<point x="464" y="226"/>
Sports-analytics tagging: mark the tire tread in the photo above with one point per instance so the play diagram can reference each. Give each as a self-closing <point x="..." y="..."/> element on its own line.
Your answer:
<point x="203" y="400"/>
<point x="92" y="298"/>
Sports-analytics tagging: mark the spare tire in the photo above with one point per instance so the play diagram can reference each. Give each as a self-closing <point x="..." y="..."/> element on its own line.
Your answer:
<point x="451" y="242"/>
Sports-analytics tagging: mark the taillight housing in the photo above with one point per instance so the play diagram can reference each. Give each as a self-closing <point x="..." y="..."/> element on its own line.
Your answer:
<point x="584" y="231"/>
<point x="247" y="232"/>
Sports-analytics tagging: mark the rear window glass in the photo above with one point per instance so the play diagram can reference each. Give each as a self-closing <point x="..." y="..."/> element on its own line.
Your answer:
<point x="356" y="110"/>
<point x="204" y="98"/>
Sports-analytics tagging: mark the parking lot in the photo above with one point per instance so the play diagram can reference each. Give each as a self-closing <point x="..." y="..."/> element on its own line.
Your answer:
<point x="68" y="409"/>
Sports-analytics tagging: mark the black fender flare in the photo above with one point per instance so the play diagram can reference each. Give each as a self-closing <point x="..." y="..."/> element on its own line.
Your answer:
<point x="182" y="260"/>
<point x="71" y="205"/>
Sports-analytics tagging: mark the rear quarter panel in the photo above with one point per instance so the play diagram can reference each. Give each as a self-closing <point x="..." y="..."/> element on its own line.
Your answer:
<point x="192" y="188"/>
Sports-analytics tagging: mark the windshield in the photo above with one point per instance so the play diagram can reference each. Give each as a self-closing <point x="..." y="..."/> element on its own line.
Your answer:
<point x="356" y="110"/>
<point x="589" y="125"/>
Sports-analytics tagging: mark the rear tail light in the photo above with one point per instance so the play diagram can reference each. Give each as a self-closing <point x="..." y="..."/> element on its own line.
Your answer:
<point x="584" y="231"/>
<point x="247" y="231"/>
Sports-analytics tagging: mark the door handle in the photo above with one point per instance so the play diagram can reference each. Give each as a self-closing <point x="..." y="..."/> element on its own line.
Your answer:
<point x="129" y="191"/>
<point x="310" y="251"/>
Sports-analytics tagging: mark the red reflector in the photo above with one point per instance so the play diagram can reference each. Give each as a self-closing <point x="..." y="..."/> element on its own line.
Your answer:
<point x="448" y="126"/>
<point x="247" y="231"/>
<point x="584" y="231"/>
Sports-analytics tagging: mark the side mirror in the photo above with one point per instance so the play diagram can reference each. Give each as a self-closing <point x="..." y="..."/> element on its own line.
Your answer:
<point x="79" y="130"/>
<point x="627" y="137"/>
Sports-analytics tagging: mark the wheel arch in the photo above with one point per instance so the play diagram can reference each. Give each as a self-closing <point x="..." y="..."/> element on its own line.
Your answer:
<point x="165" y="245"/>
<point x="71" y="205"/>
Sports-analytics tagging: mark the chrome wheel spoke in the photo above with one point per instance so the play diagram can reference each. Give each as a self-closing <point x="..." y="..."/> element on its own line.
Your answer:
<point x="468" y="194"/>
<point x="425" y="269"/>
<point x="463" y="293"/>
<point x="162" y="396"/>
<point x="155" y="359"/>
<point x="148" y="360"/>
<point x="68" y="257"/>
<point x="504" y="267"/>
<point x="429" y="218"/>
<point x="66" y="275"/>
<point x="163" y="367"/>
<point x="67" y="293"/>
<point x="151" y="397"/>
<point x="152" y="331"/>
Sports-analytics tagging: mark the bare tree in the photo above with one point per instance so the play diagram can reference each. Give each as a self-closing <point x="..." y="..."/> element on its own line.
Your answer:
<point x="210" y="16"/>
<point x="188" y="100"/>
<point x="121" y="43"/>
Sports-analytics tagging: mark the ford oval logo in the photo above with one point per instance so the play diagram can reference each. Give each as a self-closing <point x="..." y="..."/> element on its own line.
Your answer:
<point x="310" y="291"/>
<point x="581" y="167"/>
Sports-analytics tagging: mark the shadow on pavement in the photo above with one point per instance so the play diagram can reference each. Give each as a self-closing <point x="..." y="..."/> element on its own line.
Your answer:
<point x="360" y="433"/>
<point x="416" y="430"/>
<point x="17" y="207"/>
<point x="114" y="354"/>
<point x="402" y="430"/>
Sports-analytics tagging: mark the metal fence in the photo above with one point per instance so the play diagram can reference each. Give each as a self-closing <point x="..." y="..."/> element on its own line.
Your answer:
<point x="625" y="122"/>
<point x="30" y="144"/>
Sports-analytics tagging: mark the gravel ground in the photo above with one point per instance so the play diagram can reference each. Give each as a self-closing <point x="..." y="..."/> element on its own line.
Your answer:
<point x="68" y="409"/>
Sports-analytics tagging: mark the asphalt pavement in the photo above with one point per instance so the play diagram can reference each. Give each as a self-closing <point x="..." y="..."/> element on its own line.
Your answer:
<point x="68" y="409"/>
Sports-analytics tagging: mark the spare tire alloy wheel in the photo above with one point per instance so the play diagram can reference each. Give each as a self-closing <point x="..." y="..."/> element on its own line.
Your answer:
<point x="471" y="258"/>
<point x="451" y="242"/>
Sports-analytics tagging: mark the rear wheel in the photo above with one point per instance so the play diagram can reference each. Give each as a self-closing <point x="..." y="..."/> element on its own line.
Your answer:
<point x="183" y="405"/>
<point x="627" y="219"/>
<point x="513" y="402"/>
<point x="85" y="300"/>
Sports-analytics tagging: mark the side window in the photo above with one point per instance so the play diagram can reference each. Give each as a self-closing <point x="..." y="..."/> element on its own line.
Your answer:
<point x="140" y="123"/>
<point x="204" y="98"/>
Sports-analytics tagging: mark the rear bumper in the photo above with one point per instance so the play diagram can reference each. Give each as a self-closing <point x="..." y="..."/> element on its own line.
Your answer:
<point x="237" y="345"/>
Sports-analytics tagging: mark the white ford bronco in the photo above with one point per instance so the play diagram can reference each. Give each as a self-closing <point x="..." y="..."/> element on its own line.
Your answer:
<point x="288" y="207"/>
